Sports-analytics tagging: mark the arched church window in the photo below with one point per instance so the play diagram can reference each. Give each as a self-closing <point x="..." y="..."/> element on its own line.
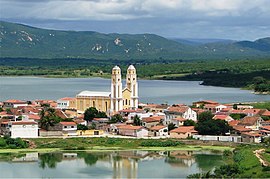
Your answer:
<point x="126" y="101"/>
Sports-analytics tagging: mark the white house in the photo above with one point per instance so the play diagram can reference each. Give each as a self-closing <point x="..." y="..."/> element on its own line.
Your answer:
<point x="135" y="131"/>
<point x="14" y="103"/>
<point x="220" y="108"/>
<point x="179" y="111"/>
<point x="65" y="103"/>
<point x="24" y="129"/>
<point x="158" y="131"/>
<point x="69" y="128"/>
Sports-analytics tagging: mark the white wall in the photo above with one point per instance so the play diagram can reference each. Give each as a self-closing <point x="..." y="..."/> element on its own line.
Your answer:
<point x="24" y="131"/>
<point x="142" y="132"/>
<point x="218" y="138"/>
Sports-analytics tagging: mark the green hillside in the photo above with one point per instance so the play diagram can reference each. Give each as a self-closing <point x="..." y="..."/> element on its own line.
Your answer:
<point x="28" y="42"/>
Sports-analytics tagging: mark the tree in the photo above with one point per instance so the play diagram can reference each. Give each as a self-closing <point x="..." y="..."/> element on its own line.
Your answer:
<point x="116" y="118"/>
<point x="171" y="126"/>
<point x="92" y="113"/>
<point x="213" y="127"/>
<point x="189" y="122"/>
<point x="48" y="118"/>
<point x="205" y="116"/>
<point x="137" y="121"/>
<point x="82" y="127"/>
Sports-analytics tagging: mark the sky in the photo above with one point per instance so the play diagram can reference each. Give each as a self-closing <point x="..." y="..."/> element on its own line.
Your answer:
<point x="199" y="19"/>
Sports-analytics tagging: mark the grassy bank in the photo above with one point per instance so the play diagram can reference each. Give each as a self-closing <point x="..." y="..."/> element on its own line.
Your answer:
<point x="108" y="144"/>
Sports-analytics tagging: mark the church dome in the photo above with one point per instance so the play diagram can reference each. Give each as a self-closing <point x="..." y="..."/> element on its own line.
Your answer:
<point x="131" y="67"/>
<point x="116" y="68"/>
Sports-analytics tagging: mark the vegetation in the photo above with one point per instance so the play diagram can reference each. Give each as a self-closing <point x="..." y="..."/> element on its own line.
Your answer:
<point x="171" y="126"/>
<point x="261" y="105"/>
<point x="116" y="118"/>
<point x="7" y="142"/>
<point x="92" y="113"/>
<point x="82" y="127"/>
<point x="189" y="123"/>
<point x="244" y="164"/>
<point x="48" y="118"/>
<point x="137" y="121"/>
<point x="154" y="143"/>
<point x="208" y="126"/>
<point x="25" y="41"/>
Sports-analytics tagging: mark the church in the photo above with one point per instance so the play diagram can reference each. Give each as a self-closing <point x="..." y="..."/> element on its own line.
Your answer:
<point x="118" y="99"/>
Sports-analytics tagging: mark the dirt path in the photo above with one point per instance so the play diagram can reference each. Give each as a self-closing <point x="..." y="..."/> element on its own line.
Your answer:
<point x="258" y="155"/>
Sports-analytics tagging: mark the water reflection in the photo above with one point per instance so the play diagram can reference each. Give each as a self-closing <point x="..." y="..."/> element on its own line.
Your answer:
<point x="119" y="164"/>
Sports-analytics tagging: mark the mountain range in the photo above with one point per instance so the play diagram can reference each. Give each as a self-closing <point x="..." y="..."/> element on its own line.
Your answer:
<point x="22" y="41"/>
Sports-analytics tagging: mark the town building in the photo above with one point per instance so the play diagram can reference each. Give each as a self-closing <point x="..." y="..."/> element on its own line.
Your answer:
<point x="117" y="99"/>
<point x="24" y="129"/>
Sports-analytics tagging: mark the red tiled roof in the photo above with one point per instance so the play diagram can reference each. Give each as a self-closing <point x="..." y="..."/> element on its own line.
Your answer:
<point x="14" y="101"/>
<point x="249" y="120"/>
<point x="68" y="123"/>
<point x="184" y="129"/>
<point x="266" y="113"/>
<point x="235" y="111"/>
<point x="152" y="119"/>
<point x="252" y="111"/>
<point x="241" y="128"/>
<point x="33" y="116"/>
<point x="234" y="122"/>
<point x="68" y="99"/>
<point x="210" y="105"/>
<point x="23" y="123"/>
<point x="157" y="128"/>
<point x="181" y="119"/>
<point x="207" y="102"/>
<point x="222" y="117"/>
<point x="129" y="127"/>
<point x="266" y="127"/>
<point x="253" y="134"/>
<point x="180" y="109"/>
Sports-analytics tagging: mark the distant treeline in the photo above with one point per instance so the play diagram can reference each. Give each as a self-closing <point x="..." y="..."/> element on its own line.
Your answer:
<point x="228" y="73"/>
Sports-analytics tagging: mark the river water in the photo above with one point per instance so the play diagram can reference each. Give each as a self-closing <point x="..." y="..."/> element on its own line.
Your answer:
<point x="115" y="164"/>
<point x="150" y="91"/>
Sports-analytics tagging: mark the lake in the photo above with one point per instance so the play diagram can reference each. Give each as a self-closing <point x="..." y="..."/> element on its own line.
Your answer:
<point x="150" y="91"/>
<point x="114" y="164"/>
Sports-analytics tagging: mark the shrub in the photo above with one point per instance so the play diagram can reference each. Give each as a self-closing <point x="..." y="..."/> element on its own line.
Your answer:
<point x="154" y="143"/>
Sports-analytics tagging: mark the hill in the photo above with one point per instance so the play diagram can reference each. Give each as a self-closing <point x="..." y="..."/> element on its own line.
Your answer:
<point x="19" y="40"/>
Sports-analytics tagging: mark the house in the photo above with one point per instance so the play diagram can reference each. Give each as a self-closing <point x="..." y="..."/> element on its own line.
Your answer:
<point x="100" y="123"/>
<point x="243" y="107"/>
<point x="251" y="122"/>
<point x="252" y="112"/>
<point x="265" y="130"/>
<point x="89" y="132"/>
<point x="223" y="117"/>
<point x="211" y="107"/>
<point x="251" y="137"/>
<point x="158" y="131"/>
<point x="66" y="103"/>
<point x="179" y="121"/>
<point x="13" y="103"/>
<point x="179" y="111"/>
<point x="69" y="128"/>
<point x="220" y="107"/>
<point x="24" y="129"/>
<point x="202" y="103"/>
<point x="183" y="132"/>
<point x="152" y="121"/>
<point x="156" y="107"/>
<point x="135" y="131"/>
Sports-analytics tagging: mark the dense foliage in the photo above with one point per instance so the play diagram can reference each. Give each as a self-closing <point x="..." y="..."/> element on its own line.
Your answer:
<point x="208" y="126"/>
<point x="92" y="113"/>
<point x="154" y="143"/>
<point x="8" y="142"/>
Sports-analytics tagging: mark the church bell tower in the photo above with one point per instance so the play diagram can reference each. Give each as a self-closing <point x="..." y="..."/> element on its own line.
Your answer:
<point x="116" y="90"/>
<point x="132" y="84"/>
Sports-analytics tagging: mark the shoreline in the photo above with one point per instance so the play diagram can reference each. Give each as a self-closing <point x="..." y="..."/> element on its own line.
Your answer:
<point x="108" y="149"/>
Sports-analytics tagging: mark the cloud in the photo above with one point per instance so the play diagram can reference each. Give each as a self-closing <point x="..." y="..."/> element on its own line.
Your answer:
<point x="153" y="15"/>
